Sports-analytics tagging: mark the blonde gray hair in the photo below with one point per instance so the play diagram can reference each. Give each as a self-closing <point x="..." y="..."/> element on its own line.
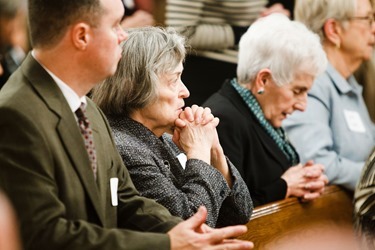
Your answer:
<point x="147" y="54"/>
<point x="314" y="13"/>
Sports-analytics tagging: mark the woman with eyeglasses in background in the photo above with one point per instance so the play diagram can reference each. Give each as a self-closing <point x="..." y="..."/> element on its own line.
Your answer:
<point x="335" y="129"/>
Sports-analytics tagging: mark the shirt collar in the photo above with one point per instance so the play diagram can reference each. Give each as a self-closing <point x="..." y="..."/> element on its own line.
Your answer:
<point x="71" y="97"/>
<point x="342" y="84"/>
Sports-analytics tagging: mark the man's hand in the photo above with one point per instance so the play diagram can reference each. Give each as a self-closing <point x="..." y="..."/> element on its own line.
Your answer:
<point x="194" y="234"/>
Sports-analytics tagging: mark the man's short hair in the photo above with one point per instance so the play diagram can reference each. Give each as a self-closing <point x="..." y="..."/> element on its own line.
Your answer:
<point x="49" y="19"/>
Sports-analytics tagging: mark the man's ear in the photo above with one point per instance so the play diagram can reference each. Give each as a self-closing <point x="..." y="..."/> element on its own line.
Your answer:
<point x="332" y="31"/>
<point x="80" y="35"/>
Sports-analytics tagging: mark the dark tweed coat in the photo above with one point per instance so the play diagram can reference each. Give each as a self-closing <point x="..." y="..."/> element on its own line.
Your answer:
<point x="157" y="174"/>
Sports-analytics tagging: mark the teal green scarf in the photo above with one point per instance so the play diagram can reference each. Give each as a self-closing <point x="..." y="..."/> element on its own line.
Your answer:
<point x="277" y="134"/>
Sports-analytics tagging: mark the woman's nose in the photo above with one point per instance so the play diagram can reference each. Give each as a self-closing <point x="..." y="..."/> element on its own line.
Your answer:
<point x="301" y="102"/>
<point x="185" y="93"/>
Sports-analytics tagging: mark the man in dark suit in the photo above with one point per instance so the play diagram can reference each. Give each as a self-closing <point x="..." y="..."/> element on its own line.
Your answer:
<point x="46" y="170"/>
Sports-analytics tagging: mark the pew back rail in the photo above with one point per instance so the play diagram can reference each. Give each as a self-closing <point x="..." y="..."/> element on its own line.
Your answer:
<point x="325" y="223"/>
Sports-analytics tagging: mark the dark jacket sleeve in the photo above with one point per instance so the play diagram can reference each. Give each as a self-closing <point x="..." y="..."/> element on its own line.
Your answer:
<point x="183" y="191"/>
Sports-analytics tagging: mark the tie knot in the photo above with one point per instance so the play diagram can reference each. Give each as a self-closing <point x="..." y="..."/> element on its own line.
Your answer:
<point x="80" y="113"/>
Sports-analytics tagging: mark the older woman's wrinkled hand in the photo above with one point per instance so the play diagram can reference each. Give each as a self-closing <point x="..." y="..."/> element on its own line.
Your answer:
<point x="316" y="180"/>
<point x="196" y="114"/>
<point x="305" y="181"/>
<point x="195" y="132"/>
<point x="193" y="115"/>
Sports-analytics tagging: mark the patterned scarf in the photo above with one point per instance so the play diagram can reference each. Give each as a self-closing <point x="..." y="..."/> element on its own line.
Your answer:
<point x="277" y="134"/>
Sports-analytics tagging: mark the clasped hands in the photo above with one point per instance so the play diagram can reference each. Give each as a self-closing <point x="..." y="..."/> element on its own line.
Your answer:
<point x="305" y="181"/>
<point x="195" y="133"/>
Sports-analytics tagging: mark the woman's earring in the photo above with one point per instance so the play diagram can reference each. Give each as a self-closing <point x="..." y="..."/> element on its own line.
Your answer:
<point x="260" y="92"/>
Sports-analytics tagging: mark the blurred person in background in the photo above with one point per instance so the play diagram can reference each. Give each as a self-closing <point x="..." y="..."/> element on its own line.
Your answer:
<point x="213" y="29"/>
<point x="13" y="36"/>
<point x="364" y="206"/>
<point x="9" y="229"/>
<point x="336" y="123"/>
<point x="138" y="13"/>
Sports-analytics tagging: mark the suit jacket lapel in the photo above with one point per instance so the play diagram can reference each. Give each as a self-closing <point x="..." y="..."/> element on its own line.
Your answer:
<point x="101" y="153"/>
<point x="67" y="127"/>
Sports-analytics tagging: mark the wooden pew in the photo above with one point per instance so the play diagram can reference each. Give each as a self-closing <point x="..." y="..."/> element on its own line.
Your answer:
<point x="325" y="223"/>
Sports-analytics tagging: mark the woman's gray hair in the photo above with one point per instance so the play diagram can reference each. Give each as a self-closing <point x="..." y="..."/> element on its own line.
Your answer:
<point x="147" y="54"/>
<point x="314" y="13"/>
<point x="285" y="47"/>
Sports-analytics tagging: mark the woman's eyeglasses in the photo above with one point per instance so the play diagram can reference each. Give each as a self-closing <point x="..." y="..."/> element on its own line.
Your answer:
<point x="370" y="18"/>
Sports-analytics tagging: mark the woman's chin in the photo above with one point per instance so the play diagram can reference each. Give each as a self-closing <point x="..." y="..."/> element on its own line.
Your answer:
<point x="277" y="123"/>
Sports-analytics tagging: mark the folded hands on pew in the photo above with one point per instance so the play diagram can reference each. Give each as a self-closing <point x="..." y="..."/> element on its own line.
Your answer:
<point x="305" y="181"/>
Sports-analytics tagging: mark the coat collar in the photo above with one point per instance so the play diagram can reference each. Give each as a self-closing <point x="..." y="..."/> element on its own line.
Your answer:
<point x="229" y="92"/>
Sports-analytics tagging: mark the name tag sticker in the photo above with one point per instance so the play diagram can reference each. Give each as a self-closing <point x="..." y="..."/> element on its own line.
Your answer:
<point x="114" y="186"/>
<point x="182" y="158"/>
<point x="354" y="121"/>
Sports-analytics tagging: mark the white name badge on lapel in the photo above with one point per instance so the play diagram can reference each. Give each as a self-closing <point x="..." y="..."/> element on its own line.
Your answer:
<point x="354" y="121"/>
<point x="114" y="186"/>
